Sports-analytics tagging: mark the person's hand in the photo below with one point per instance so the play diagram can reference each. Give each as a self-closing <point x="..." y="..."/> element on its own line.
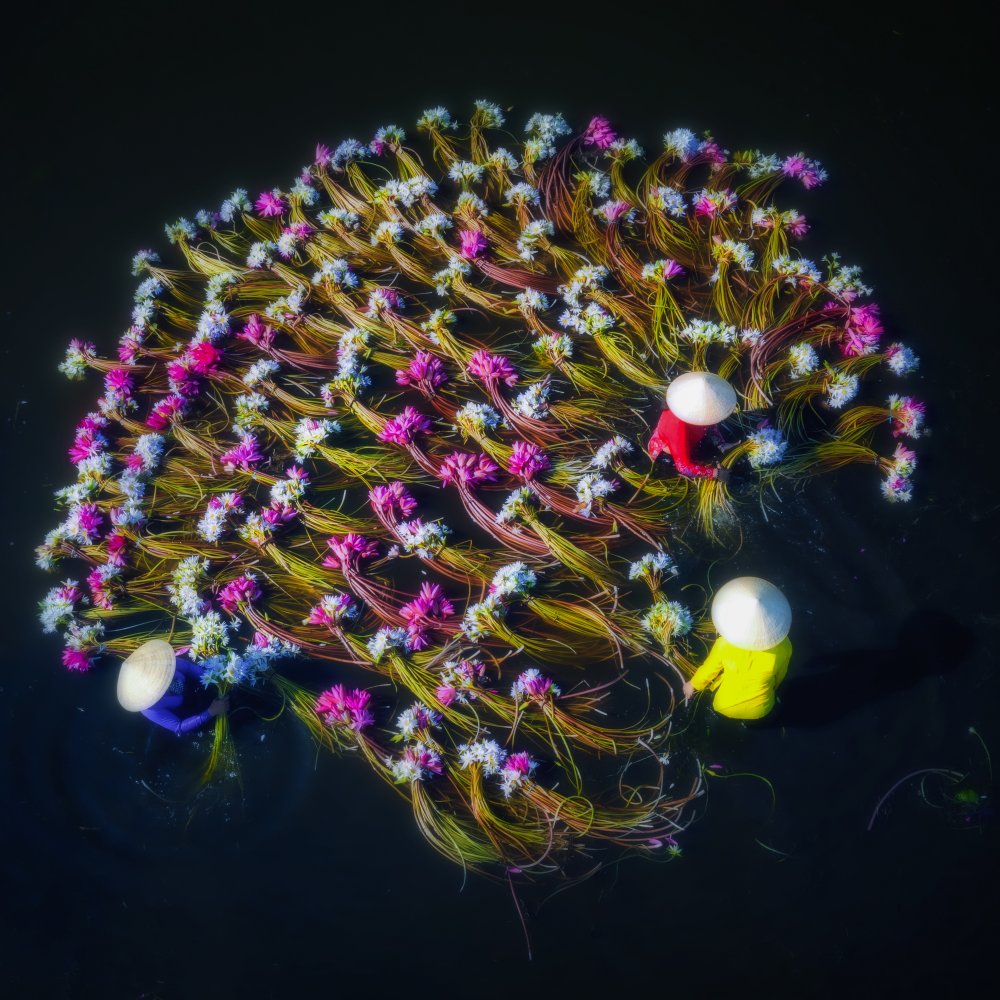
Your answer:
<point x="688" y="691"/>
<point x="219" y="707"/>
<point x="723" y="475"/>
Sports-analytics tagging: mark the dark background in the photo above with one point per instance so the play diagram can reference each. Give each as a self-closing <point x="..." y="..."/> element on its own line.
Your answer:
<point x="116" y="885"/>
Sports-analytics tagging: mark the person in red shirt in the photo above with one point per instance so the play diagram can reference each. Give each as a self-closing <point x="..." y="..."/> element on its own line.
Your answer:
<point x="695" y="402"/>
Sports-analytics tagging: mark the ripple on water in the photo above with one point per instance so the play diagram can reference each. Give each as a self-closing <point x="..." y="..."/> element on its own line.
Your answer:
<point x="111" y="794"/>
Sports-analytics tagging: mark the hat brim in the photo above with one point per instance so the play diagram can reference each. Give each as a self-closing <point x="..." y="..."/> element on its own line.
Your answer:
<point x="701" y="398"/>
<point x="145" y="675"/>
<point x="751" y="613"/>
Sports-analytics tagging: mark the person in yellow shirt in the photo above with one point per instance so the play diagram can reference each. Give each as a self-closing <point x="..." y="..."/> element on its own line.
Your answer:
<point x="750" y="658"/>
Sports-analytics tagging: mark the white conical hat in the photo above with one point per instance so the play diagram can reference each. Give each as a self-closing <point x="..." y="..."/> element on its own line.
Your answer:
<point x="145" y="676"/>
<point x="751" y="613"/>
<point x="701" y="398"/>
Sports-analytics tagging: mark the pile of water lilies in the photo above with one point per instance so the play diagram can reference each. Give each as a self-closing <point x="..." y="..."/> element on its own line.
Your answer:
<point x="392" y="420"/>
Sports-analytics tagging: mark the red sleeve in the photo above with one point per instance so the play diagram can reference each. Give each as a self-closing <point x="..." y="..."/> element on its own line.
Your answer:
<point x="678" y="440"/>
<point x="659" y="440"/>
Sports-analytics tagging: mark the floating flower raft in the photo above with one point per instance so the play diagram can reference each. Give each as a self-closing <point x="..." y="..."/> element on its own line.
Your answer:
<point x="393" y="417"/>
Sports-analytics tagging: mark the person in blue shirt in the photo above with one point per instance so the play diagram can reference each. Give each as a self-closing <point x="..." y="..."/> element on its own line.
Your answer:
<point x="155" y="681"/>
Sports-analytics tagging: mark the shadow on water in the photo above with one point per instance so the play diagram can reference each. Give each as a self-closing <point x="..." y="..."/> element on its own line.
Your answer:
<point x="830" y="687"/>
<point x="131" y="800"/>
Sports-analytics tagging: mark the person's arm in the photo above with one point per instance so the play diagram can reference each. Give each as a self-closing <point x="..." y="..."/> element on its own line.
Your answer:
<point x="658" y="441"/>
<point x="686" y="438"/>
<point x="170" y="720"/>
<point x="710" y="669"/>
<point x="680" y="440"/>
<point x="695" y="470"/>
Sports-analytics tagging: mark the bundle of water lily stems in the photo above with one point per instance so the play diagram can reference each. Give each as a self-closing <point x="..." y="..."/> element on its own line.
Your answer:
<point x="392" y="420"/>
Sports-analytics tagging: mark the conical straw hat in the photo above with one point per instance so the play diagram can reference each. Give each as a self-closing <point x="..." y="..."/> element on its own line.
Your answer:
<point x="701" y="398"/>
<point x="145" y="676"/>
<point x="751" y="613"/>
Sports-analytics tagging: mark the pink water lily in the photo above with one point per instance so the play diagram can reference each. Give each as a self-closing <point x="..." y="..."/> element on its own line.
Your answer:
<point x="491" y="368"/>
<point x="515" y="773"/>
<point x="69" y="592"/>
<point x="599" y="133"/>
<point x="420" y="759"/>
<point x="85" y="347"/>
<point x="203" y="357"/>
<point x="797" y="225"/>
<point x="862" y="332"/>
<point x="226" y="501"/>
<point x="429" y="605"/>
<point x="710" y="204"/>
<point x="100" y="589"/>
<point x="907" y="415"/>
<point x="391" y="500"/>
<point x="88" y="443"/>
<point x="614" y="210"/>
<point x="793" y="166"/>
<point x="269" y="204"/>
<point x="472" y="244"/>
<point x="76" y="660"/>
<point x="338" y="706"/>
<point x="445" y="694"/>
<point x="460" y="683"/>
<point x="904" y="458"/>
<point x="183" y="381"/>
<point x="424" y="371"/>
<point x="463" y="468"/>
<point x="533" y="684"/>
<point x="278" y="513"/>
<point x="297" y="475"/>
<point x="520" y="763"/>
<point x="129" y="345"/>
<point x="243" y="455"/>
<point x="88" y="521"/>
<point x="526" y="460"/>
<point x="262" y="640"/>
<point x="117" y="548"/>
<point x="331" y="610"/>
<point x="257" y="333"/>
<point x="118" y="382"/>
<point x="428" y="610"/>
<point x="712" y="152"/>
<point x="92" y="422"/>
<point x="165" y="411"/>
<point x="243" y="590"/>
<point x="349" y="550"/>
<point x="402" y="430"/>
<point x="809" y="172"/>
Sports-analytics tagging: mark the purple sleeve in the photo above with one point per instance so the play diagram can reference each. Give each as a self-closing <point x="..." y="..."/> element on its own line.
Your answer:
<point x="189" y="669"/>
<point x="170" y="720"/>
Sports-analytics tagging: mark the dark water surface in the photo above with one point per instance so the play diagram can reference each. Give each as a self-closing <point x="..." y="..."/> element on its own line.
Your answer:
<point x="116" y="885"/>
